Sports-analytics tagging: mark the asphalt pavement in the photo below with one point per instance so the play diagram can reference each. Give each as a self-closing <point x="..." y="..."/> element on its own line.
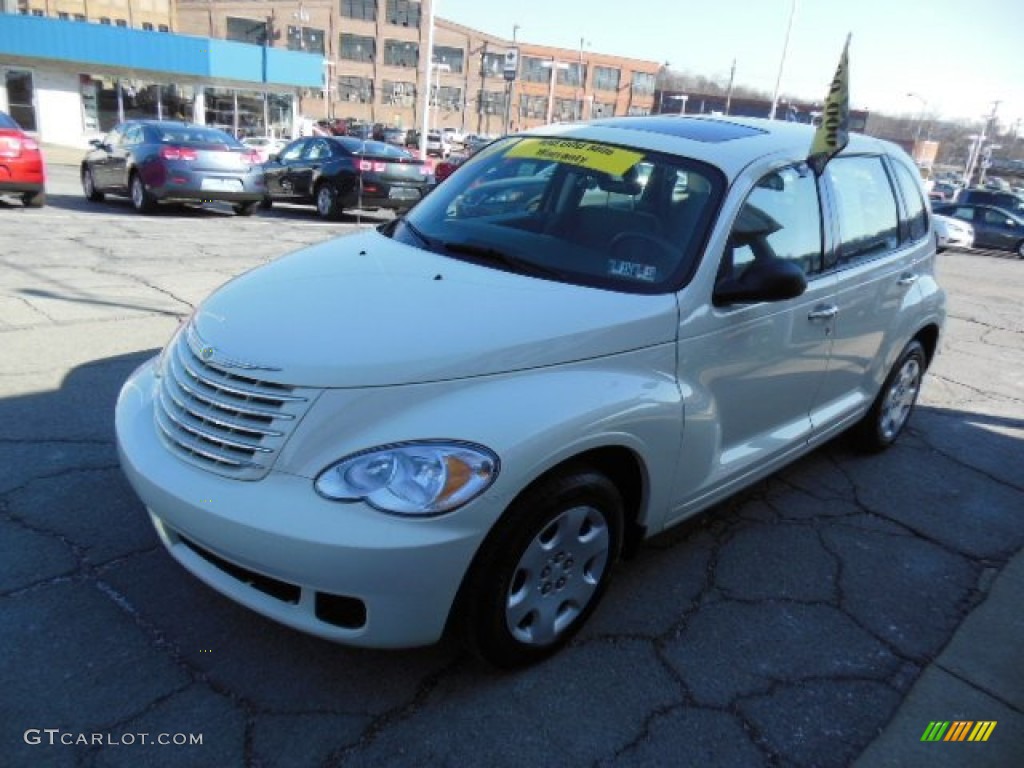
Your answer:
<point x="850" y="610"/>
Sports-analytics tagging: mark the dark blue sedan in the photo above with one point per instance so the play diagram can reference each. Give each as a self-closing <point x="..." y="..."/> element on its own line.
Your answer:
<point x="995" y="228"/>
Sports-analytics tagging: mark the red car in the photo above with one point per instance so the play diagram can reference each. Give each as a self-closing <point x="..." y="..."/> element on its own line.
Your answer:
<point x="21" y="164"/>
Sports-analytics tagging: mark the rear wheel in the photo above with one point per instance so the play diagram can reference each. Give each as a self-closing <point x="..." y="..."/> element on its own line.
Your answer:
<point x="267" y="203"/>
<point x="34" y="199"/>
<point x="142" y="201"/>
<point x="245" y="209"/>
<point x="89" y="186"/>
<point x="1020" y="250"/>
<point x="543" y="569"/>
<point x="327" y="201"/>
<point x="892" y="408"/>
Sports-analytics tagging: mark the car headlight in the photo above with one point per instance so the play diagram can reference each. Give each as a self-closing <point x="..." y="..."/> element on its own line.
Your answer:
<point x="418" y="479"/>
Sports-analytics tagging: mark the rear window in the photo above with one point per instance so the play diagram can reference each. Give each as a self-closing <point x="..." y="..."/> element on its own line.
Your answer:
<point x="195" y="135"/>
<point x="372" y="148"/>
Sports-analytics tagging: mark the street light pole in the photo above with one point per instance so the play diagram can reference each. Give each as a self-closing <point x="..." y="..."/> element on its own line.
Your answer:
<point x="782" y="61"/>
<point x="920" y="119"/>
<point x="428" y="66"/>
<point x="510" y="91"/>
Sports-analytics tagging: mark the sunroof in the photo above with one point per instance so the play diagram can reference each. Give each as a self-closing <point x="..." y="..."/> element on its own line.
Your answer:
<point x="696" y="129"/>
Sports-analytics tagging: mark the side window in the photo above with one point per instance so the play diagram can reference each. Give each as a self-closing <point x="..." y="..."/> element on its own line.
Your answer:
<point x="132" y="136"/>
<point x="910" y="186"/>
<point x="781" y="219"/>
<point x="994" y="217"/>
<point x="318" y="150"/>
<point x="866" y="207"/>
<point x="292" y="152"/>
<point x="113" y="139"/>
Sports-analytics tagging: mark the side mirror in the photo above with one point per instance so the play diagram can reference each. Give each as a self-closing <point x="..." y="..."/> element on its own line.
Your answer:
<point x="762" y="280"/>
<point x="96" y="143"/>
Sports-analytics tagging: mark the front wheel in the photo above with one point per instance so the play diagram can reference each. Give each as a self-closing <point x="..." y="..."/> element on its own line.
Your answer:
<point x="891" y="410"/>
<point x="543" y="569"/>
<point x="92" y="194"/>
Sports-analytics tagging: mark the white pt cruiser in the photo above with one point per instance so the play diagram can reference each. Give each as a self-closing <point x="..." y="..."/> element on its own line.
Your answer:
<point x="586" y="335"/>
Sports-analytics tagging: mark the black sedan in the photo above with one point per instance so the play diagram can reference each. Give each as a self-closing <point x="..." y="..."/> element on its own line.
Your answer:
<point x="338" y="172"/>
<point x="994" y="227"/>
<point x="154" y="161"/>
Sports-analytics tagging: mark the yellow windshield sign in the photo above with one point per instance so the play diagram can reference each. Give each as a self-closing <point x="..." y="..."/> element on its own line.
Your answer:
<point x="596" y="157"/>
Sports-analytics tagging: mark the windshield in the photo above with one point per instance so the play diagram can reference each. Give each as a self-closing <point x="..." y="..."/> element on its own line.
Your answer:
<point x="579" y="211"/>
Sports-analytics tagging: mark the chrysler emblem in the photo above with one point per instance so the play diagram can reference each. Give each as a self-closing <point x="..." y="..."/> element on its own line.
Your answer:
<point x="206" y="353"/>
<point x="209" y="354"/>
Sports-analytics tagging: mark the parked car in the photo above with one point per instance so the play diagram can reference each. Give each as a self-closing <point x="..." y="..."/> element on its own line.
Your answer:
<point x="1000" y="199"/>
<point x="952" y="233"/>
<point x="265" y="146"/>
<point x="996" y="228"/>
<point x="445" y="168"/>
<point x="438" y="144"/>
<point x="942" y="192"/>
<point x="160" y="161"/>
<point x="395" y="136"/>
<point x="499" y="194"/>
<point x="22" y="169"/>
<point x="340" y="172"/>
<point x="460" y="423"/>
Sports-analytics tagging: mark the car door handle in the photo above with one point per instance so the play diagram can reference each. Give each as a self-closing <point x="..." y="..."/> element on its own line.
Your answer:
<point x="823" y="312"/>
<point x="908" y="278"/>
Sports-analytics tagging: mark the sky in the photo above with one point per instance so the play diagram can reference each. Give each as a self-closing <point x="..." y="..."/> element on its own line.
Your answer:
<point x="957" y="56"/>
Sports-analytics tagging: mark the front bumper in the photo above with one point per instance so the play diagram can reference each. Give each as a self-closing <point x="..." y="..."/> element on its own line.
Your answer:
<point x="344" y="572"/>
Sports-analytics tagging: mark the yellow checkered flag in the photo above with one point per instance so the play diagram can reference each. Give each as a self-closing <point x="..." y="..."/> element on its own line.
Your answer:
<point x="834" y="132"/>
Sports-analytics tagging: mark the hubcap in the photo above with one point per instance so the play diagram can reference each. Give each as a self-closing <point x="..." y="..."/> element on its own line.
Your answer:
<point x="87" y="182"/>
<point x="324" y="201"/>
<point x="900" y="399"/>
<point x="137" y="192"/>
<point x="557" y="575"/>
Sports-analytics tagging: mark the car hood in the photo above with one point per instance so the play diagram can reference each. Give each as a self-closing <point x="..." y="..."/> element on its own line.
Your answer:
<point x="364" y="310"/>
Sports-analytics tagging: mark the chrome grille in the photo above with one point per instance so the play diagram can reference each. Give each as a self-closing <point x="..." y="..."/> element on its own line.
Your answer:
<point x="225" y="422"/>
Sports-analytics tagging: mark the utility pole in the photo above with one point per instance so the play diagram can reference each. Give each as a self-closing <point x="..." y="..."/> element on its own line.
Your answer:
<point x="481" y="102"/>
<point x="976" y="150"/>
<point x="728" y="95"/>
<point x="782" y="61"/>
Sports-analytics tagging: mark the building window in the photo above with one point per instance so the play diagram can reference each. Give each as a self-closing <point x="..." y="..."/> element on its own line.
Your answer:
<point x="492" y="64"/>
<point x="306" y="39"/>
<point x="401" y="53"/>
<point x="567" y="110"/>
<point x="602" y="109"/>
<point x="575" y="75"/>
<point x="447" y="98"/>
<point x="606" y="78"/>
<point x="532" y="70"/>
<point x="21" y="98"/>
<point x="246" y="30"/>
<point x="639" y="111"/>
<point x="105" y="20"/>
<point x="164" y="28"/>
<point x="404" y="13"/>
<point x="355" y="89"/>
<point x="359" y="9"/>
<point x="79" y="17"/>
<point x="122" y="23"/>
<point x="147" y="26"/>
<point x="452" y="58"/>
<point x="491" y="102"/>
<point x="534" y="106"/>
<point x="38" y="12"/>
<point x="357" y="48"/>
<point x="63" y="16"/>
<point x="643" y="84"/>
<point x="398" y="94"/>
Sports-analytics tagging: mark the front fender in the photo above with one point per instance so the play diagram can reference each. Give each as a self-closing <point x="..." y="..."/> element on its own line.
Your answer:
<point x="533" y="420"/>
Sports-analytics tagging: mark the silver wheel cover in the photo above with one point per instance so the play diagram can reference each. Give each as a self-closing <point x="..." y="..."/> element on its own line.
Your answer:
<point x="138" y="193"/>
<point x="87" y="183"/>
<point x="557" y="576"/>
<point x="324" y="201"/>
<point x="900" y="399"/>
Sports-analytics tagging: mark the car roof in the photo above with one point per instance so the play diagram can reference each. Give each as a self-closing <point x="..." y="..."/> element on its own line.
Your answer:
<point x="731" y="143"/>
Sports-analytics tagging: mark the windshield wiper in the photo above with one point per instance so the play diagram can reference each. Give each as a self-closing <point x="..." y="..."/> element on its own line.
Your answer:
<point x="515" y="263"/>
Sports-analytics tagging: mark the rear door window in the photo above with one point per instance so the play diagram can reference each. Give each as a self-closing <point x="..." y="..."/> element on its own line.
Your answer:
<point x="868" y="218"/>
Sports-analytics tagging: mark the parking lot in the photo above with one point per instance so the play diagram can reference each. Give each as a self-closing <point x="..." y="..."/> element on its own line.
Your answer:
<point x="801" y="623"/>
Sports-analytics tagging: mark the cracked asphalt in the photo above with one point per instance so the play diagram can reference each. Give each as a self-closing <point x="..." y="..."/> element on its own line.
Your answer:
<point x="789" y="626"/>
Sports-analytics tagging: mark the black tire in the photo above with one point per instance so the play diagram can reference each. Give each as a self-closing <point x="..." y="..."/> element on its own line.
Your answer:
<point x="267" y="203"/>
<point x="34" y="199"/>
<point x="142" y="201"/>
<point x="245" y="209"/>
<point x="889" y="414"/>
<point x="92" y="194"/>
<point x="325" y="196"/>
<point x="1020" y="250"/>
<point x="543" y="568"/>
